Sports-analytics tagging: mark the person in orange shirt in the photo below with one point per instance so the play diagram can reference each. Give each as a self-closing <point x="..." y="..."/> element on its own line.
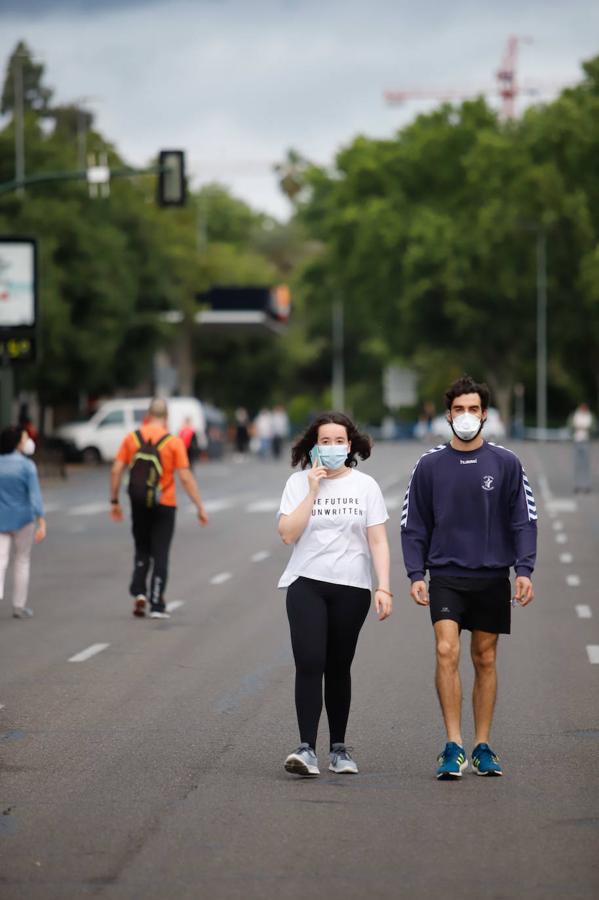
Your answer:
<point x="153" y="516"/>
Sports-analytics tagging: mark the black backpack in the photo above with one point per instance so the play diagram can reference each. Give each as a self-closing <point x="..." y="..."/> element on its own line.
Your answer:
<point x="145" y="470"/>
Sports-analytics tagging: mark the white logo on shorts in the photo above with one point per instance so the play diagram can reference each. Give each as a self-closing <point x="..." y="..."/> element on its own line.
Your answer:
<point x="487" y="483"/>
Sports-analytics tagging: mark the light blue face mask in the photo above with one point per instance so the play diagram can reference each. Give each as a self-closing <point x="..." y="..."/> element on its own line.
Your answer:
<point x="333" y="456"/>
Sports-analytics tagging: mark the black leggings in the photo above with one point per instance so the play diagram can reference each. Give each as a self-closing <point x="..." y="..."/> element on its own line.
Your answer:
<point x="152" y="532"/>
<point x="325" y="620"/>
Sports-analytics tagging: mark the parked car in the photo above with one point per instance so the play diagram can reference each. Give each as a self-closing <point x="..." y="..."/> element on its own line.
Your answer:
<point x="494" y="428"/>
<point x="100" y="437"/>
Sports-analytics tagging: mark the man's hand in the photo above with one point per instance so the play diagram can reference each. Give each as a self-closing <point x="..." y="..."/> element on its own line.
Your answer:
<point x="202" y="515"/>
<point x="524" y="593"/>
<point x="116" y="512"/>
<point x="419" y="593"/>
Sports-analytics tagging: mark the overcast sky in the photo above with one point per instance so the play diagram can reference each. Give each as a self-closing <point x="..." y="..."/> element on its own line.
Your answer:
<point x="235" y="83"/>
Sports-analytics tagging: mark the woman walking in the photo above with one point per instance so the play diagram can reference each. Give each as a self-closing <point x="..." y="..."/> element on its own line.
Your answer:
<point x="21" y="513"/>
<point x="335" y="519"/>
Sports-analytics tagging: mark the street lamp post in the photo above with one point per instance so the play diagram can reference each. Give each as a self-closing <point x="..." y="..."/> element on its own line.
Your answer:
<point x="541" y="333"/>
<point x="19" y="123"/>
<point x="338" y="380"/>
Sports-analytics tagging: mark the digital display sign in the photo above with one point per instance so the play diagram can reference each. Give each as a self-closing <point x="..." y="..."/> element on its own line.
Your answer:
<point x="18" y="299"/>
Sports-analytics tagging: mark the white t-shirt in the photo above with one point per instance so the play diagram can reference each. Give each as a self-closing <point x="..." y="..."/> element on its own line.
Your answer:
<point x="334" y="545"/>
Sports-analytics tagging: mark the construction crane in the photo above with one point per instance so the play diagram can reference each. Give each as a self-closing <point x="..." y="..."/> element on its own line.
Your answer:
<point x="507" y="86"/>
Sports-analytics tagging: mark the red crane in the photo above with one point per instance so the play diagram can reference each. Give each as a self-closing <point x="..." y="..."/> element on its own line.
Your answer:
<point x="507" y="85"/>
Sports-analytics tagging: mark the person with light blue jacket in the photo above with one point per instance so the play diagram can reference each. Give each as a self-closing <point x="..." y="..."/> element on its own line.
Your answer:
<point x="21" y="513"/>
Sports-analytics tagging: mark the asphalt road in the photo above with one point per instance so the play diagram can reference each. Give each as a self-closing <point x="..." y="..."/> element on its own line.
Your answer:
<point x="152" y="767"/>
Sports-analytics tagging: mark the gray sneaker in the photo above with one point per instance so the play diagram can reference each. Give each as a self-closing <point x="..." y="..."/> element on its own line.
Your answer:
<point x="23" y="612"/>
<point x="341" y="761"/>
<point x="302" y="762"/>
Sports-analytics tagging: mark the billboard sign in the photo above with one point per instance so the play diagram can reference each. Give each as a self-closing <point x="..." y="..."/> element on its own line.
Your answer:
<point x="18" y="285"/>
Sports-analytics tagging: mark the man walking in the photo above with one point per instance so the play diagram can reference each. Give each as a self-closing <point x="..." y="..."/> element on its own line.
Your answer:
<point x="153" y="455"/>
<point x="468" y="516"/>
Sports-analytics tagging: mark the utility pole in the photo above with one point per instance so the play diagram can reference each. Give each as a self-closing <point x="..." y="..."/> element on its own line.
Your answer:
<point x="19" y="123"/>
<point x="338" y="385"/>
<point x="541" y="333"/>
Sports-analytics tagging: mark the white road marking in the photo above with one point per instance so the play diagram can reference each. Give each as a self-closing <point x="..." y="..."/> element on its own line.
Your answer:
<point x="51" y="507"/>
<point x="593" y="653"/>
<point x="566" y="557"/>
<point x="583" y="611"/>
<point x="563" y="504"/>
<point x="174" y="604"/>
<point x="2" y="706"/>
<point x="573" y="580"/>
<point x="260" y="556"/>
<point x="88" y="652"/>
<point x="220" y="578"/>
<point x="214" y="506"/>
<point x="89" y="509"/>
<point x="558" y="526"/>
<point x="561" y="538"/>
<point x="263" y="506"/>
<point x="544" y="488"/>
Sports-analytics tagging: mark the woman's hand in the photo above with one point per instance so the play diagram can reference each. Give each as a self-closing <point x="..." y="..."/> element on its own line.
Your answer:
<point x="40" y="533"/>
<point x="383" y="603"/>
<point x="315" y="476"/>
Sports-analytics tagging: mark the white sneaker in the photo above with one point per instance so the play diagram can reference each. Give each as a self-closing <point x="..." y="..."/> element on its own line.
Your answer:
<point x="302" y="762"/>
<point x="22" y="612"/>
<point x="157" y="614"/>
<point x="341" y="761"/>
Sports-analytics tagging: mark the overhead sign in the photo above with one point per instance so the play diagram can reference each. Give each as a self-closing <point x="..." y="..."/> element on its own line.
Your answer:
<point x="18" y="285"/>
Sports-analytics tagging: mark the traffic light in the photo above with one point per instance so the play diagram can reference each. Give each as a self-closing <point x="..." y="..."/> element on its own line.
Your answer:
<point x="172" y="185"/>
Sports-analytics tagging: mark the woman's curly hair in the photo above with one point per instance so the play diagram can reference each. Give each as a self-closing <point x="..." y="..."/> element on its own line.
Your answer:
<point x="361" y="444"/>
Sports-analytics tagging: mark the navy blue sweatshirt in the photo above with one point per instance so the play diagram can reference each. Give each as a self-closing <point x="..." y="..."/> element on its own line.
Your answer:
<point x="469" y="513"/>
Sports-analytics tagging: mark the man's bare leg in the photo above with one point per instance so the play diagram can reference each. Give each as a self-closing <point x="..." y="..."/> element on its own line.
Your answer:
<point x="483" y="649"/>
<point x="447" y="677"/>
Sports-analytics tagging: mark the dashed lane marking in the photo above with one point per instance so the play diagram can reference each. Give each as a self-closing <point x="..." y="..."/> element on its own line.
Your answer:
<point x="220" y="578"/>
<point x="263" y="506"/>
<point x="558" y="526"/>
<point x="88" y="509"/>
<point x="174" y="604"/>
<point x="566" y="558"/>
<point x="88" y="652"/>
<point x="561" y="538"/>
<point x="214" y="506"/>
<point x="593" y="653"/>
<point x="583" y="611"/>
<point x="260" y="556"/>
<point x="573" y="580"/>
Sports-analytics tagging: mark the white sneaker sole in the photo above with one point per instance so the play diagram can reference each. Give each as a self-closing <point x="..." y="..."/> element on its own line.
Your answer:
<point x="344" y="770"/>
<point x="447" y="776"/>
<point x="296" y="766"/>
<point x="159" y="615"/>
<point x="487" y="774"/>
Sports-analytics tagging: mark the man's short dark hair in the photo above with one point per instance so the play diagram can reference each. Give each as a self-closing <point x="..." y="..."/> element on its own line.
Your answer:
<point x="467" y="385"/>
<point x="10" y="438"/>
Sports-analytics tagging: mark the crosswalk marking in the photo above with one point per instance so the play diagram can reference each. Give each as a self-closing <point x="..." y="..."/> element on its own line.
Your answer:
<point x="561" y="538"/>
<point x="88" y="652"/>
<point x="566" y="558"/>
<point x="260" y="556"/>
<point x="573" y="580"/>
<point x="88" y="509"/>
<point x="270" y="505"/>
<point x="583" y="611"/>
<point x="593" y="653"/>
<point x="174" y="604"/>
<point x="220" y="578"/>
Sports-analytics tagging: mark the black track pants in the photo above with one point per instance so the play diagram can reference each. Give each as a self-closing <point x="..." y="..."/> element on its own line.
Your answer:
<point x="152" y="532"/>
<point x="325" y="620"/>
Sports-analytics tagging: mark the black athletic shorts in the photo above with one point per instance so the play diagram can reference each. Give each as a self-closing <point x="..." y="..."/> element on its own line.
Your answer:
<point x="477" y="604"/>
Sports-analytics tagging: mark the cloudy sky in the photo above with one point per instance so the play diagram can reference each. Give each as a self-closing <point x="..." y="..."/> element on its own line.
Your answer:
<point x="237" y="82"/>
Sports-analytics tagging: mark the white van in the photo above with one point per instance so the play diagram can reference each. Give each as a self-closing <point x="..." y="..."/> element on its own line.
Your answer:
<point x="100" y="437"/>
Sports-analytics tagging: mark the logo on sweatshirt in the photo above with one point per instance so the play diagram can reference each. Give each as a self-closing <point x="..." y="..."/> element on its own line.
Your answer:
<point x="487" y="483"/>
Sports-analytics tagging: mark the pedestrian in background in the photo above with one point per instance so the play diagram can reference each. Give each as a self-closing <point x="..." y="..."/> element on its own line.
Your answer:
<point x="263" y="432"/>
<point x="21" y="513"/>
<point x="469" y="515"/>
<point x="582" y="424"/>
<point x="334" y="517"/>
<point x="280" y="429"/>
<point x="153" y="456"/>
<point x="242" y="433"/>
<point x="190" y="441"/>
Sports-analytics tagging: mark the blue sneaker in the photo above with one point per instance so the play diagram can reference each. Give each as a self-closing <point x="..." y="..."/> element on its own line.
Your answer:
<point x="452" y="762"/>
<point x="485" y="762"/>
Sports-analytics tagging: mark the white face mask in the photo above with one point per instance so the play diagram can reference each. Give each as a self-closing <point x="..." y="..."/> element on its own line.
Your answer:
<point x="29" y="447"/>
<point x="466" y="426"/>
